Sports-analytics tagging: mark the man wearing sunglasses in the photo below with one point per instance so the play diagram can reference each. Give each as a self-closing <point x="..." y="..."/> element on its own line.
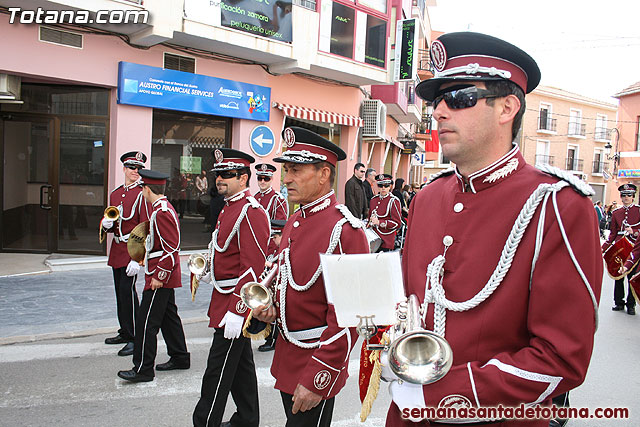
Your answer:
<point x="625" y="221"/>
<point x="385" y="216"/>
<point x="237" y="255"/>
<point x="311" y="359"/>
<point x="504" y="257"/>
<point x="272" y="201"/>
<point x="133" y="210"/>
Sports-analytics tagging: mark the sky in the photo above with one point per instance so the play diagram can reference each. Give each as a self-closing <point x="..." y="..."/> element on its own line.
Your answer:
<point x="588" y="47"/>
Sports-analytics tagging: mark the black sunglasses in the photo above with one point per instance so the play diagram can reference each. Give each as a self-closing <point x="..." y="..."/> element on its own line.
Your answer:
<point x="463" y="98"/>
<point x="227" y="174"/>
<point x="384" y="185"/>
<point x="264" y="178"/>
<point x="133" y="168"/>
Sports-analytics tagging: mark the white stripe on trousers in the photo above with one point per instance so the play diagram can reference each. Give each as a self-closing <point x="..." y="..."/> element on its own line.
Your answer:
<point x="213" y="401"/>
<point x="144" y="332"/>
<point x="321" y="411"/>
<point x="133" y="304"/>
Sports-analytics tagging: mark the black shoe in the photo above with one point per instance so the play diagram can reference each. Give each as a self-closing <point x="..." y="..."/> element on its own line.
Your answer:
<point x="171" y="365"/>
<point x="631" y="311"/>
<point x="267" y="347"/>
<point x="134" y="377"/>
<point x="617" y="308"/>
<point x="127" y="350"/>
<point x="118" y="339"/>
<point x="226" y="424"/>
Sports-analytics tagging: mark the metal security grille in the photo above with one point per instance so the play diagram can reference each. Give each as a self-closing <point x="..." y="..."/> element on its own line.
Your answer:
<point x="64" y="38"/>
<point x="179" y="63"/>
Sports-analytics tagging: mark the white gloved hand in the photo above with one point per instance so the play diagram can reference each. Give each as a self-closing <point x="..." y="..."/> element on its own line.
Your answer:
<point x="387" y="374"/>
<point x="107" y="224"/>
<point x="407" y="396"/>
<point x="133" y="268"/>
<point x="232" y="325"/>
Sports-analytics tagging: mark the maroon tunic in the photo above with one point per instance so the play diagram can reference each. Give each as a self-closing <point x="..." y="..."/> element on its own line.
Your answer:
<point x="620" y="218"/>
<point x="162" y="259"/>
<point x="532" y="337"/>
<point x="322" y="370"/>
<point x="274" y="203"/>
<point x="133" y="210"/>
<point x="387" y="209"/>
<point x="239" y="254"/>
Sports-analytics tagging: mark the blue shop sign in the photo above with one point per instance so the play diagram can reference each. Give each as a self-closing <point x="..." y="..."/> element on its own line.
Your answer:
<point x="176" y="90"/>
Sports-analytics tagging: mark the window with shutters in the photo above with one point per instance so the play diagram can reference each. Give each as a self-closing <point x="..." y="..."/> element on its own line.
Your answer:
<point x="179" y="63"/>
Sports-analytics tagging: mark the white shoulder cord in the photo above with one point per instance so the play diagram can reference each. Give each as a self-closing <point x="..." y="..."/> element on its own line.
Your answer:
<point x="434" y="292"/>
<point x="149" y="242"/>
<point x="285" y="277"/>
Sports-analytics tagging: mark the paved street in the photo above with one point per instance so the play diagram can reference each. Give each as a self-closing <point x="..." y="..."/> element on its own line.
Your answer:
<point x="71" y="380"/>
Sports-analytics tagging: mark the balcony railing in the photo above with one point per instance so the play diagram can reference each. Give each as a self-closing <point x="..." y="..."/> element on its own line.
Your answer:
<point x="542" y="159"/>
<point x="547" y="123"/>
<point x="599" y="167"/>
<point x="603" y="134"/>
<point x="574" y="164"/>
<point x="577" y="129"/>
<point x="424" y="64"/>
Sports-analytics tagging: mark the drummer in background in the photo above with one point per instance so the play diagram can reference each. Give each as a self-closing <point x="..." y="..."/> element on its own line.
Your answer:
<point x="624" y="220"/>
<point x="385" y="217"/>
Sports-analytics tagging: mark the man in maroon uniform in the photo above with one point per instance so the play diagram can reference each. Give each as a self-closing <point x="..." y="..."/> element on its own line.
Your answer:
<point x="237" y="253"/>
<point x="158" y="308"/>
<point x="272" y="201"/>
<point x="309" y="374"/>
<point x="384" y="213"/>
<point x="624" y="221"/>
<point x="510" y="254"/>
<point x="133" y="210"/>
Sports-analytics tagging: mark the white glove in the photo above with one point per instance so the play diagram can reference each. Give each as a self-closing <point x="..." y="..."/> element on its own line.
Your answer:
<point x="107" y="224"/>
<point x="133" y="268"/>
<point x="232" y="325"/>
<point x="407" y="395"/>
<point x="387" y="373"/>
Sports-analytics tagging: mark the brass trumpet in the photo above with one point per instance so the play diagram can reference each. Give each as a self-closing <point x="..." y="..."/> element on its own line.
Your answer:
<point x="255" y="294"/>
<point x="198" y="264"/>
<point x="415" y="354"/>
<point x="112" y="213"/>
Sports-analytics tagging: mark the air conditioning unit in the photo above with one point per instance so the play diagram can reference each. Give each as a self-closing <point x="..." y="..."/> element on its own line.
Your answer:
<point x="374" y="115"/>
<point x="9" y="88"/>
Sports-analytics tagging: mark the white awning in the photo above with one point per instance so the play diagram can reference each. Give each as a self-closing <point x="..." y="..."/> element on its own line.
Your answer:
<point x="319" y="115"/>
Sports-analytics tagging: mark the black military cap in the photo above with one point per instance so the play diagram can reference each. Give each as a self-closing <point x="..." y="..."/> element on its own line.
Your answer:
<point x="306" y="147"/>
<point x="151" y="177"/>
<point x="265" y="169"/>
<point x="133" y="158"/>
<point x="467" y="57"/>
<point x="226" y="159"/>
<point x="384" y="178"/>
<point x="628" y="189"/>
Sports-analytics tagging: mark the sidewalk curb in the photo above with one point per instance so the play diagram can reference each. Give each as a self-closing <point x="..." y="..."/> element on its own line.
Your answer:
<point x="19" y="339"/>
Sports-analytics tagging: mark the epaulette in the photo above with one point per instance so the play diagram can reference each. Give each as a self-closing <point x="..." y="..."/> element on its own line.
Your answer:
<point x="344" y="210"/>
<point x="440" y="174"/>
<point x="253" y="202"/>
<point x="578" y="185"/>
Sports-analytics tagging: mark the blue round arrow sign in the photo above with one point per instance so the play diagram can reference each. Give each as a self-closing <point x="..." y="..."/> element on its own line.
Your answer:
<point x="262" y="140"/>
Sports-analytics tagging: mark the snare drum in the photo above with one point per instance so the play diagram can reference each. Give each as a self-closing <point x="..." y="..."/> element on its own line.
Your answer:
<point x="374" y="240"/>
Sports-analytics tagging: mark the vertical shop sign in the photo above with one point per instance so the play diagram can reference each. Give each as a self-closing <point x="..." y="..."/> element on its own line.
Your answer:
<point x="405" y="67"/>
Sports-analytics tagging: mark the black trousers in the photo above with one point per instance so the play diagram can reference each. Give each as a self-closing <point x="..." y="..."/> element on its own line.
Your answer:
<point x="618" y="292"/>
<point x="158" y="311"/>
<point x="320" y="416"/>
<point x="126" y="302"/>
<point x="230" y="368"/>
<point x="273" y="336"/>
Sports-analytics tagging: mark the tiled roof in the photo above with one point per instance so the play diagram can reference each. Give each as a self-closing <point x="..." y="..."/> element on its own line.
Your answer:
<point x="634" y="88"/>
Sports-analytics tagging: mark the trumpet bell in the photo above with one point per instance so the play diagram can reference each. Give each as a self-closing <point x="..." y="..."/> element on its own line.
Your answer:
<point x="197" y="264"/>
<point x="112" y="212"/>
<point x="135" y="244"/>
<point x="254" y="295"/>
<point x="420" y="357"/>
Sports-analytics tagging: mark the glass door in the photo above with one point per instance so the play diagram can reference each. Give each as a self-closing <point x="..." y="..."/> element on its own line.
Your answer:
<point x="29" y="205"/>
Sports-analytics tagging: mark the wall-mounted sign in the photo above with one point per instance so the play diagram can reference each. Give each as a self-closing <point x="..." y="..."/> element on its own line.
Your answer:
<point x="262" y="140"/>
<point x="629" y="173"/>
<point x="190" y="164"/>
<point x="405" y="67"/>
<point x="264" y="18"/>
<point x="176" y="90"/>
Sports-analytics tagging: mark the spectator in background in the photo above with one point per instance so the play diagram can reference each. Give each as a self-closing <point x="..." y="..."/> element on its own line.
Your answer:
<point x="602" y="219"/>
<point x="397" y="191"/>
<point x="369" y="185"/>
<point x="354" y="196"/>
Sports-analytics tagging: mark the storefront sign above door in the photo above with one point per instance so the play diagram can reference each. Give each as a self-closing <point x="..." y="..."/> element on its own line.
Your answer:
<point x="176" y="90"/>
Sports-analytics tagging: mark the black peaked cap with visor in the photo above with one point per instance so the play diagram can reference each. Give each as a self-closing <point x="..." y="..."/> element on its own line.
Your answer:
<point x="133" y="158"/>
<point x="228" y="159"/>
<point x="468" y="57"/>
<point x="384" y="179"/>
<point x="265" y="169"/>
<point x="306" y="147"/>
<point x="151" y="177"/>
<point x="628" y="189"/>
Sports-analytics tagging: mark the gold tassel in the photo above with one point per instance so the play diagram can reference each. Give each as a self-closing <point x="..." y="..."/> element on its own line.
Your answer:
<point x="263" y="334"/>
<point x="374" y="381"/>
<point x="194" y="287"/>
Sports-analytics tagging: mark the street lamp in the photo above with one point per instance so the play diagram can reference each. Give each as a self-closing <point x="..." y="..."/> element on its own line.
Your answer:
<point x="607" y="148"/>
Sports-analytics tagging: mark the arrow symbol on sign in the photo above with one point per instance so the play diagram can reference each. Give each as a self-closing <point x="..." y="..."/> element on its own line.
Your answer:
<point x="260" y="139"/>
